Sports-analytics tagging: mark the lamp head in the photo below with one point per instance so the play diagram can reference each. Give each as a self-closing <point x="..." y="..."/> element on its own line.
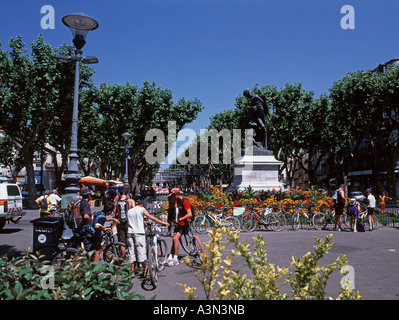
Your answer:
<point x="80" y="24"/>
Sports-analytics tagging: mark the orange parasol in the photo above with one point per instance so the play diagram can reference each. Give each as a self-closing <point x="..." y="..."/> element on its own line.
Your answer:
<point x="92" y="181"/>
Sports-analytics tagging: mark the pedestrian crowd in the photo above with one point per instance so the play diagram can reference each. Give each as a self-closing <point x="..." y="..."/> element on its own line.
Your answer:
<point x="353" y="209"/>
<point x="130" y="217"/>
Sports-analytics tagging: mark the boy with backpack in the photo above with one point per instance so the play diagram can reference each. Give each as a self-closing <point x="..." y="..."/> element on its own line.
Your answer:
<point x="122" y="204"/>
<point x="98" y="221"/>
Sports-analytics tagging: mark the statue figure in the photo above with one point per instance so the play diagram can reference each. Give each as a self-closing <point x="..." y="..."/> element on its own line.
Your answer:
<point x="256" y="117"/>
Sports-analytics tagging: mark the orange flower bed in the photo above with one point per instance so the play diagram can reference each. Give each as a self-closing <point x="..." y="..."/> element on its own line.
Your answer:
<point x="216" y="200"/>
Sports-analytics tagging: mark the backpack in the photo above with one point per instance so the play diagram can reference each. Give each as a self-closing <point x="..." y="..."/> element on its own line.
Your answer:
<point x="337" y="199"/>
<point x="95" y="217"/>
<point x="44" y="203"/>
<point x="73" y="217"/>
<point x="360" y="226"/>
<point x="192" y="211"/>
<point x="122" y="207"/>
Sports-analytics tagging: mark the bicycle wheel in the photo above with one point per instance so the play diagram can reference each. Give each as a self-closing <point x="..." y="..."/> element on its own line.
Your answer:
<point x="345" y="220"/>
<point x="376" y="222"/>
<point x="272" y="222"/>
<point x="201" y="224"/>
<point x="113" y="253"/>
<point x="296" y="221"/>
<point x="63" y="255"/>
<point x="162" y="251"/>
<point x="187" y="244"/>
<point x="283" y="220"/>
<point x="319" y="220"/>
<point x="232" y="222"/>
<point x="248" y="222"/>
<point x="152" y="265"/>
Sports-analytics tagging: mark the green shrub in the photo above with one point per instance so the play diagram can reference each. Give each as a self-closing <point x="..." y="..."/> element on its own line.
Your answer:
<point x="76" y="279"/>
<point x="307" y="280"/>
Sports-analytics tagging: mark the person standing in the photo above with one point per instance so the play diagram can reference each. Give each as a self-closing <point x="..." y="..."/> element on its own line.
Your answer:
<point x="172" y="210"/>
<point x="353" y="210"/>
<point x="44" y="203"/>
<point x="339" y="204"/>
<point x="55" y="198"/>
<point x="370" y="208"/>
<point x="182" y="222"/>
<point x="136" y="233"/>
<point x="122" y="204"/>
<point x="383" y="197"/>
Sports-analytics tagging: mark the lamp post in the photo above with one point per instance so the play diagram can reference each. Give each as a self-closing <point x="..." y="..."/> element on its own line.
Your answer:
<point x="80" y="24"/>
<point x="126" y="136"/>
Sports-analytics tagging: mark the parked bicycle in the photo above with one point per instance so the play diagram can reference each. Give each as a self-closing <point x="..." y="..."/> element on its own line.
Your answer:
<point x="156" y="252"/>
<point x="321" y="220"/>
<point x="300" y="218"/>
<point x="261" y="217"/>
<point x="204" y="222"/>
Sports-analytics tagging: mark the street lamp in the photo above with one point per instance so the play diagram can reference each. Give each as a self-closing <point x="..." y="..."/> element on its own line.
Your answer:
<point x="126" y="136"/>
<point x="80" y="24"/>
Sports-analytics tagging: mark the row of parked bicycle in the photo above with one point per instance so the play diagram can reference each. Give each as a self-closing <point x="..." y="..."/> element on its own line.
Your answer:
<point x="255" y="218"/>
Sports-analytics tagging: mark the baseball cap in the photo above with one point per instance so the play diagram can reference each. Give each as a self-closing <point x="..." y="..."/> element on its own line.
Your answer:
<point x="175" y="190"/>
<point x="139" y="202"/>
<point x="85" y="192"/>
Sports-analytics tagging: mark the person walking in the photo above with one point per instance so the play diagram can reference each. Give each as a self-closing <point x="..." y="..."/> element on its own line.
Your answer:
<point x="339" y="204"/>
<point x="136" y="233"/>
<point x="370" y="208"/>
<point x="183" y="220"/>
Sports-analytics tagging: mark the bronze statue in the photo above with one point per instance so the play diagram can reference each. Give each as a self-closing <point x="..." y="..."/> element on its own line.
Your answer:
<point x="256" y="117"/>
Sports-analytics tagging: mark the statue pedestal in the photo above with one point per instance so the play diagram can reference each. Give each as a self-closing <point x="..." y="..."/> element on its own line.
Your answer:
<point x="258" y="169"/>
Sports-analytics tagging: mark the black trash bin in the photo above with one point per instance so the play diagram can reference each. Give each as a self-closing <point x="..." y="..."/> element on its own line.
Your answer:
<point x="46" y="232"/>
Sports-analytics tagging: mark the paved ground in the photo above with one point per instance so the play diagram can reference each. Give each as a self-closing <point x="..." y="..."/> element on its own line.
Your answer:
<point x="373" y="255"/>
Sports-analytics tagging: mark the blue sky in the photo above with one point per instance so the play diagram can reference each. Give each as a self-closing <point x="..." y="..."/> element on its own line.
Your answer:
<point x="214" y="49"/>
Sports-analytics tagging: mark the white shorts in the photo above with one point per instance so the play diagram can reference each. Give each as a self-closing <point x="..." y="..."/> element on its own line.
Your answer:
<point x="136" y="247"/>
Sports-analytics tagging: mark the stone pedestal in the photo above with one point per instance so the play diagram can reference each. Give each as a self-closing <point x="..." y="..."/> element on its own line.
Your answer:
<point x="258" y="169"/>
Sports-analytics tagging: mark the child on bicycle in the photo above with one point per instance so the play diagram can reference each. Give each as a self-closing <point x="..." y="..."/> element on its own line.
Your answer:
<point x="353" y="210"/>
<point x="100" y="218"/>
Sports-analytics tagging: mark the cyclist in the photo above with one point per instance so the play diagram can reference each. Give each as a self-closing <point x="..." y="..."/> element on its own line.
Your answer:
<point x="182" y="222"/>
<point x="136" y="233"/>
<point x="100" y="218"/>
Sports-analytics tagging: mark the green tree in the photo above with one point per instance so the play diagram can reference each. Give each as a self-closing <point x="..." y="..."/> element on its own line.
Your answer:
<point x="133" y="109"/>
<point x="366" y="109"/>
<point x="34" y="96"/>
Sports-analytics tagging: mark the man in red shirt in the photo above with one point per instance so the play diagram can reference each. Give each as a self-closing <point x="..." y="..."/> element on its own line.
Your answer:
<point x="182" y="222"/>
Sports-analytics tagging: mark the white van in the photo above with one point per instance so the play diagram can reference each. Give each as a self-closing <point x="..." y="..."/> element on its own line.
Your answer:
<point x="10" y="203"/>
